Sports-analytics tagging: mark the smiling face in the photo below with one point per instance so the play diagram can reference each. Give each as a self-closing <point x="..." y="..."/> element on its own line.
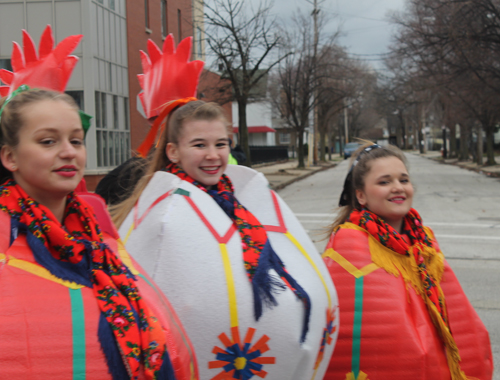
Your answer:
<point x="202" y="151"/>
<point x="49" y="160"/>
<point x="388" y="191"/>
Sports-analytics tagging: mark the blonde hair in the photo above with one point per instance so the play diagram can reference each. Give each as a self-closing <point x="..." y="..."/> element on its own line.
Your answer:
<point x="192" y="111"/>
<point x="359" y="172"/>
<point x="12" y="119"/>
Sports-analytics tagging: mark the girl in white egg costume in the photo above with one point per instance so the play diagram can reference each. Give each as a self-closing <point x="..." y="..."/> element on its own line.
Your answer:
<point x="240" y="271"/>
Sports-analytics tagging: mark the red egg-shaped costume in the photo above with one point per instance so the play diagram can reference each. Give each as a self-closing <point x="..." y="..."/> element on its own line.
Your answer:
<point x="385" y="328"/>
<point x="49" y="326"/>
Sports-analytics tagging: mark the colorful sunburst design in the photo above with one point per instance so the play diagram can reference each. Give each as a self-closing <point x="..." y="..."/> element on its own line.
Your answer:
<point x="328" y="331"/>
<point x="241" y="361"/>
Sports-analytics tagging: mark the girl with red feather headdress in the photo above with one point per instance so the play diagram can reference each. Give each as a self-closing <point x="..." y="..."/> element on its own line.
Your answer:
<point x="239" y="269"/>
<point x="73" y="304"/>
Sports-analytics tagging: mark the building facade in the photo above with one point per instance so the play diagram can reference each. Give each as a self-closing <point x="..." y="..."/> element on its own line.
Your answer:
<point x="104" y="82"/>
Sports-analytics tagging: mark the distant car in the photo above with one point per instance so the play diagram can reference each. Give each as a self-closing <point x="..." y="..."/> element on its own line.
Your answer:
<point x="350" y="148"/>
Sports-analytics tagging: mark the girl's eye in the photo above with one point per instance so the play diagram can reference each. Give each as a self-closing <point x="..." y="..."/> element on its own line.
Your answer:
<point x="199" y="145"/>
<point x="222" y="145"/>
<point x="47" y="141"/>
<point x="383" y="182"/>
<point x="77" y="142"/>
<point x="405" y="181"/>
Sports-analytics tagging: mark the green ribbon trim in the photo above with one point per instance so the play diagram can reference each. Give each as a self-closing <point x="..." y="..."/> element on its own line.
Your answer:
<point x="78" y="321"/>
<point x="356" y="329"/>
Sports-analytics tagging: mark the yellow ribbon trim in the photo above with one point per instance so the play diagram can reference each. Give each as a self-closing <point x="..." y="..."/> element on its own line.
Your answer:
<point x="128" y="233"/>
<point x="122" y="252"/>
<point x="361" y="376"/>
<point x="316" y="269"/>
<point x="37" y="270"/>
<point x="342" y="261"/>
<point x="231" y="290"/>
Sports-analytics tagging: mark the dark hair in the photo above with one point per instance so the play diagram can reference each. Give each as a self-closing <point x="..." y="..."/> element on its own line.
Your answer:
<point x="12" y="120"/>
<point x="196" y="110"/>
<point x="358" y="174"/>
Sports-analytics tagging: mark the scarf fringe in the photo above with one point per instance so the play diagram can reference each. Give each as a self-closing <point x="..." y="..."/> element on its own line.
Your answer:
<point x="111" y="350"/>
<point x="166" y="371"/>
<point x="406" y="266"/>
<point x="265" y="286"/>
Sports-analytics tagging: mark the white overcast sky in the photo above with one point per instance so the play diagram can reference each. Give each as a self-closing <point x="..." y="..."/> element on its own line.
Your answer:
<point x="364" y="23"/>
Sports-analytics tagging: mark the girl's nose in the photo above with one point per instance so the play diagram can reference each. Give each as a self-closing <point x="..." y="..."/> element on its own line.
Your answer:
<point x="68" y="150"/>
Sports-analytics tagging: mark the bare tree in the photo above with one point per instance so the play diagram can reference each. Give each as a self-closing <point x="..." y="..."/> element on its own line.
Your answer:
<point x="242" y="40"/>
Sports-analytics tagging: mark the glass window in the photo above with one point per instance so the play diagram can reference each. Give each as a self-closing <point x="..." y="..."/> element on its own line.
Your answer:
<point x="115" y="112"/>
<point x="77" y="97"/>
<point x="98" y="123"/>
<point x="112" y="4"/>
<point x="164" y="18"/>
<point x="179" y="25"/>
<point x="113" y="138"/>
<point x="284" y="138"/>
<point x="146" y="12"/>
<point x="5" y="64"/>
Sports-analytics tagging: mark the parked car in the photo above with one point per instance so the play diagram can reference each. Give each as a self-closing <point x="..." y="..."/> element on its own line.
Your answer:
<point x="350" y="148"/>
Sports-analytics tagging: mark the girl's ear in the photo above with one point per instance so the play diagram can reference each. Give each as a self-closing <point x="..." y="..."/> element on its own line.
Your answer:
<point x="8" y="158"/>
<point x="360" y="195"/>
<point x="172" y="152"/>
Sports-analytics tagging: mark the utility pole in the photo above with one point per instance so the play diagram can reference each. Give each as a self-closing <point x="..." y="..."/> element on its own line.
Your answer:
<point x="315" y="128"/>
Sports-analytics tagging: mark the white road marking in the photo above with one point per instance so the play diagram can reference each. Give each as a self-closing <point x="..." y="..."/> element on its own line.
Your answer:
<point x="476" y="237"/>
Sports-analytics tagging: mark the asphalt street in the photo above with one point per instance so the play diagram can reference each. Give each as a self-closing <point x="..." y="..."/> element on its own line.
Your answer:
<point x="461" y="206"/>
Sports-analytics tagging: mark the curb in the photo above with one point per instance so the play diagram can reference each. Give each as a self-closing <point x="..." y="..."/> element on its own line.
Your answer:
<point x="301" y="177"/>
<point x="460" y="165"/>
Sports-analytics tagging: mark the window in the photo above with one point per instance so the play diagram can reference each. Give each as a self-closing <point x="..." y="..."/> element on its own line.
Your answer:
<point x="164" y="18"/>
<point x="199" y="43"/>
<point x="115" y="112"/>
<point x="146" y="12"/>
<point x="112" y="4"/>
<point x="100" y="1"/>
<point x="5" y="64"/>
<point x="284" y="138"/>
<point x="179" y="26"/>
<point x="77" y="97"/>
<point x="113" y="136"/>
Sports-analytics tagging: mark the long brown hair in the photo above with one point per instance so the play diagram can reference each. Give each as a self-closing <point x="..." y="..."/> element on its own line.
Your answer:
<point x="359" y="172"/>
<point x="196" y="110"/>
<point x="12" y="120"/>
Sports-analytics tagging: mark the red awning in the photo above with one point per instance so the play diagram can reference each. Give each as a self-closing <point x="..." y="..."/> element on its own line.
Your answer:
<point x="256" y="129"/>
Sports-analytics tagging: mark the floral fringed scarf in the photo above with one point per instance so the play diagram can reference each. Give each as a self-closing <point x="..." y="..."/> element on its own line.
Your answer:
<point x="419" y="264"/>
<point x="129" y="333"/>
<point x="258" y="255"/>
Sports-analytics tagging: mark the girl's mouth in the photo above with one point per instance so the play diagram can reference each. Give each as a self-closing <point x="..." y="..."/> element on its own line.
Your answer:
<point x="210" y="169"/>
<point x="397" y="200"/>
<point x="66" y="171"/>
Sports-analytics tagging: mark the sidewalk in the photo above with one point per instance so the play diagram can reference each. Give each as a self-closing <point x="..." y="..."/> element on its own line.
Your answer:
<point x="490" y="171"/>
<point x="282" y="174"/>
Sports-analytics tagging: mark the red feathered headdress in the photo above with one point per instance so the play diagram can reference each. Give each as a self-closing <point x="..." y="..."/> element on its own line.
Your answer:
<point x="168" y="80"/>
<point x="50" y="69"/>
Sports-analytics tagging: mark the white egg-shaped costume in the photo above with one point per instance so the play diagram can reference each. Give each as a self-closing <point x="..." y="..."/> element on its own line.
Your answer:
<point x="193" y="251"/>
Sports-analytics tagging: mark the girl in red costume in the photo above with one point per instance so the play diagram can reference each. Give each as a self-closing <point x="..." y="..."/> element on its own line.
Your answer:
<point x="73" y="305"/>
<point x="403" y="314"/>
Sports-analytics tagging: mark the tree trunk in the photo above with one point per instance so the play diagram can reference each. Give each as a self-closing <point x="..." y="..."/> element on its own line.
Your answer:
<point x="453" y="141"/>
<point x="464" y="143"/>
<point x="300" y="149"/>
<point x="490" y="137"/>
<point x="479" y="156"/>
<point x="322" y="153"/>
<point x="243" y="130"/>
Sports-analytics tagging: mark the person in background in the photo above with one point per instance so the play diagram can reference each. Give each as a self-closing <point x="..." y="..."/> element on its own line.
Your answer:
<point x="403" y="312"/>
